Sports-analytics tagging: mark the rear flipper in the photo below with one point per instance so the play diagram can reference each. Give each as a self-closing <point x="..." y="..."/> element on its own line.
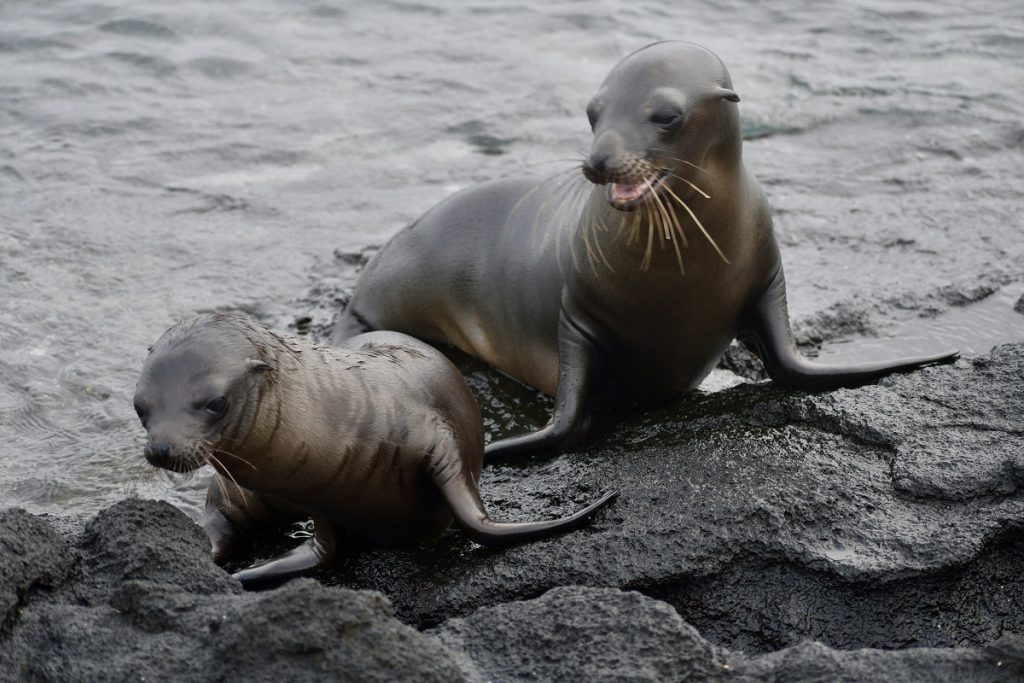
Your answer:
<point x="314" y="555"/>
<point x="460" y="494"/>
<point x="768" y="335"/>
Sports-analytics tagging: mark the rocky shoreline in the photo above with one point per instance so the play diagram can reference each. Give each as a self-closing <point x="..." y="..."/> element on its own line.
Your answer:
<point x="862" y="534"/>
<point x="162" y="159"/>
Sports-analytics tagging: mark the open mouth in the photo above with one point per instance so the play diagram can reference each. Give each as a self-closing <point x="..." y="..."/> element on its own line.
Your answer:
<point x="625" y="197"/>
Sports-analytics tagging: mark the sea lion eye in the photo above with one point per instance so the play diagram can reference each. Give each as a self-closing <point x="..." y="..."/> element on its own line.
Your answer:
<point x="217" y="406"/>
<point x="141" y="412"/>
<point x="667" y="118"/>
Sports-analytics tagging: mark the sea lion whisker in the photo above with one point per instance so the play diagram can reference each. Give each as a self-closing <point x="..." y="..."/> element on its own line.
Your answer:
<point x="678" y="228"/>
<point x="679" y="257"/>
<point x="671" y="222"/>
<point x="604" y="228"/>
<point x="688" y="163"/>
<point x="569" y="196"/>
<point x="219" y="480"/>
<point x="645" y="261"/>
<point x="645" y="264"/>
<point x="529" y="193"/>
<point x="664" y="215"/>
<point x="676" y="222"/>
<point x="697" y="221"/>
<point x="654" y="221"/>
<point x="577" y="228"/>
<point x="662" y="228"/>
<point x="585" y="229"/>
<point x="211" y="458"/>
<point x="206" y="452"/>
<point x="534" y="188"/>
<point x="563" y="160"/>
<point x="229" y="453"/>
<point x="572" y="172"/>
<point x="688" y="182"/>
<point x="634" y="228"/>
<point x="631" y="235"/>
<point x="621" y="230"/>
<point x="571" y="191"/>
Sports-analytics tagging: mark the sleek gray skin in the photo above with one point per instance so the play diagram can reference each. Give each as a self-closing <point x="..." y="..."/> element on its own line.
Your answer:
<point x="381" y="437"/>
<point x="609" y="311"/>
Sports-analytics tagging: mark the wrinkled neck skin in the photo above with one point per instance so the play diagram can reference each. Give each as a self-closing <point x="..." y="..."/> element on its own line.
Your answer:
<point x="265" y="442"/>
<point x="262" y="418"/>
<point x="270" y="436"/>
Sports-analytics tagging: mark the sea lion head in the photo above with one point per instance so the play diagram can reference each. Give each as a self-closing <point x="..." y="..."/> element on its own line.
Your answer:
<point x="191" y="395"/>
<point x="662" y="112"/>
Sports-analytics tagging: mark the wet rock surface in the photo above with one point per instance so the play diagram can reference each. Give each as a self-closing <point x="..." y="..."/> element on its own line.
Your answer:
<point x="577" y="633"/>
<point x="886" y="516"/>
<point x="862" y="534"/>
<point x="32" y="558"/>
<point x="145" y="602"/>
<point x="600" y="634"/>
<point x="157" y="622"/>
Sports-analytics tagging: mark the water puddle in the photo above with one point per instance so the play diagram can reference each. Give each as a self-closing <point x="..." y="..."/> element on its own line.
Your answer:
<point x="974" y="329"/>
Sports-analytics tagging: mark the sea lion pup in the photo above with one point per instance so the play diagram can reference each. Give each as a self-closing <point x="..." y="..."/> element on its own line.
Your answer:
<point x="381" y="437"/>
<point x="625" y="291"/>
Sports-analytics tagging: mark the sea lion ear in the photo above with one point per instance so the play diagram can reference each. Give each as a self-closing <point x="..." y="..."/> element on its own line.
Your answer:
<point x="728" y="94"/>
<point x="258" y="365"/>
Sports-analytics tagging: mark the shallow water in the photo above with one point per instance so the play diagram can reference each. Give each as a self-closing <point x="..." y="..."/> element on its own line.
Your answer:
<point x="972" y="330"/>
<point x="158" y="159"/>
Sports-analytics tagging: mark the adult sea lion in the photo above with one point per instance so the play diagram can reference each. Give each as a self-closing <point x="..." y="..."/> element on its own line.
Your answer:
<point x="381" y="437"/>
<point x="626" y="292"/>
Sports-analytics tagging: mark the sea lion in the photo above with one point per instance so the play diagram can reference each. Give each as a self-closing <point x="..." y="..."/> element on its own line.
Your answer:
<point x="625" y="293"/>
<point x="381" y="437"/>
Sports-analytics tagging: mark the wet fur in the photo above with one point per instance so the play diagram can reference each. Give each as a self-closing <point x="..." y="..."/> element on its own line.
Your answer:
<point x="381" y="437"/>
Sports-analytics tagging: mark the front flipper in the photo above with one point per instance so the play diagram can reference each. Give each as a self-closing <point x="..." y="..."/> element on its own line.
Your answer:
<point x="455" y="482"/>
<point x="315" y="554"/>
<point x="571" y="417"/>
<point x="233" y="513"/>
<point x="769" y="336"/>
<point x="349" y="324"/>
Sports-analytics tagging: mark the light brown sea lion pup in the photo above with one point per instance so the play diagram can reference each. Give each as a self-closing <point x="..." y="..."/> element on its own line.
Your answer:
<point x="381" y="437"/>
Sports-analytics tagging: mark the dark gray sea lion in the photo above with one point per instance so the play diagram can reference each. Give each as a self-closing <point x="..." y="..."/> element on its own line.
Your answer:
<point x="625" y="292"/>
<point x="381" y="437"/>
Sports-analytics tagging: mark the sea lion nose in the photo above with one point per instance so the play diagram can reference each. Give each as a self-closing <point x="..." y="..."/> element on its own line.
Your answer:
<point x="598" y="162"/>
<point x="605" y="156"/>
<point x="158" y="454"/>
<point x="599" y="167"/>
